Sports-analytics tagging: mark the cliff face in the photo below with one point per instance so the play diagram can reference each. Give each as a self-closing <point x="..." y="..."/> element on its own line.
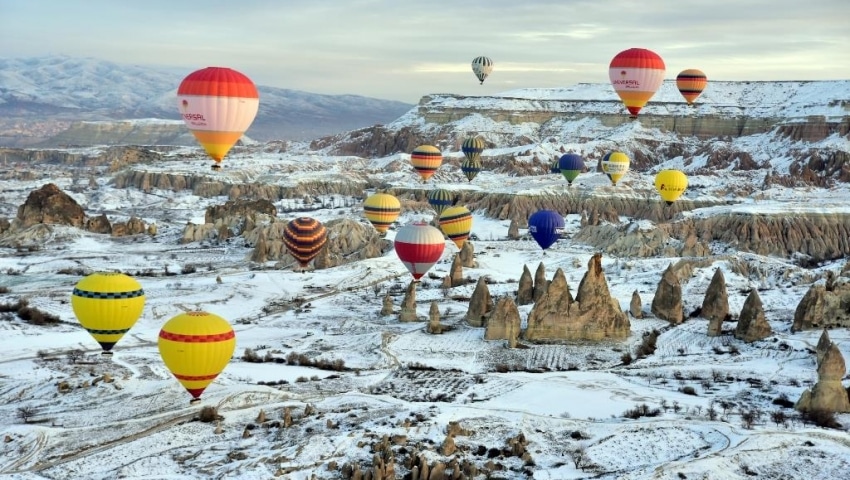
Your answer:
<point x="123" y="133"/>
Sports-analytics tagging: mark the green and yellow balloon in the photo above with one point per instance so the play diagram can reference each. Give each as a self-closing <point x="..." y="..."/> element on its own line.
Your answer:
<point x="107" y="305"/>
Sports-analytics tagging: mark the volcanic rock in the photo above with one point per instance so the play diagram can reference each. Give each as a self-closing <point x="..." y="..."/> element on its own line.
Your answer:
<point x="387" y="306"/>
<point x="540" y="282"/>
<point x="467" y="255"/>
<point x="636" y="306"/>
<point x="504" y="322"/>
<point x="480" y="304"/>
<point x="237" y="213"/>
<point x="456" y="272"/>
<point x="98" y="224"/>
<point x="828" y="394"/>
<point x="823" y="308"/>
<point x="715" y="304"/>
<point x="823" y="345"/>
<point x="133" y="226"/>
<point x="667" y="302"/>
<point x="434" y="326"/>
<point x="513" y="230"/>
<point x="408" y="304"/>
<point x="50" y="205"/>
<point x="752" y="324"/>
<point x="525" y="289"/>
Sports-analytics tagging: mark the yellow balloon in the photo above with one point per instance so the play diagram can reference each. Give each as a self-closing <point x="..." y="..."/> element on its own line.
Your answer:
<point x="615" y="165"/>
<point x="456" y="222"/>
<point x="196" y="346"/>
<point x="671" y="184"/>
<point x="107" y="305"/>
<point x="381" y="209"/>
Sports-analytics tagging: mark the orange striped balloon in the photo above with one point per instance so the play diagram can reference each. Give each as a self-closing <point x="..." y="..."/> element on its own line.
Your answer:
<point x="217" y="104"/>
<point x="636" y="75"/>
<point x="426" y="159"/>
<point x="456" y="222"/>
<point x="304" y="238"/>
<point x="691" y="83"/>
<point x="196" y="346"/>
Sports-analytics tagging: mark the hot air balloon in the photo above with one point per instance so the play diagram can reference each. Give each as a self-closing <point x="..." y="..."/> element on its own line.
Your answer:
<point x="570" y="165"/>
<point x="217" y="104"/>
<point x="615" y="165"/>
<point x="470" y="168"/>
<point x="107" y="305"/>
<point x="419" y="246"/>
<point x="636" y="75"/>
<point x="555" y="167"/>
<point x="426" y="159"/>
<point x="439" y="199"/>
<point x="456" y="222"/>
<point x="381" y="209"/>
<point x="691" y="83"/>
<point x="545" y="226"/>
<point x="671" y="184"/>
<point x="304" y="238"/>
<point x="196" y="346"/>
<point x="472" y="147"/>
<point x="482" y="66"/>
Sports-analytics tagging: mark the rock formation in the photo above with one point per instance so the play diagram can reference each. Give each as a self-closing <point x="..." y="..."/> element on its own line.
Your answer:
<point x="99" y="224"/>
<point x="822" y="308"/>
<point x="752" y="324"/>
<point x="715" y="304"/>
<point x="667" y="302"/>
<point x="823" y="345"/>
<point x="236" y="212"/>
<point x="133" y="226"/>
<point x="540" y="282"/>
<point x="828" y="394"/>
<point x="504" y="322"/>
<point x="408" y="304"/>
<point x="455" y="277"/>
<point x="593" y="315"/>
<point x="434" y="326"/>
<point x="636" y="305"/>
<point x="525" y="288"/>
<point x="50" y="205"/>
<point x="467" y="255"/>
<point x="513" y="230"/>
<point x="480" y="304"/>
<point x="387" y="305"/>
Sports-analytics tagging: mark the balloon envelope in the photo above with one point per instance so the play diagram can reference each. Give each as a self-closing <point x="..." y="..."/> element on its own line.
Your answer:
<point x="615" y="165"/>
<point x="470" y="168"/>
<point x="107" y="305"/>
<point x="304" y="238"/>
<point x="691" y="83"/>
<point x="482" y="67"/>
<point x="570" y="166"/>
<point x="381" y="209"/>
<point x="545" y="226"/>
<point x="456" y="222"/>
<point x="636" y="75"/>
<point x="419" y="247"/>
<point x="426" y="159"/>
<point x="472" y="147"/>
<point x="218" y="105"/>
<point x="671" y="184"/>
<point x="440" y="199"/>
<point x="196" y="346"/>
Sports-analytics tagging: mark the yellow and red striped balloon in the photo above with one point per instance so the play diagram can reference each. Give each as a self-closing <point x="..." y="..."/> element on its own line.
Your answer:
<point x="426" y="159"/>
<point x="691" y="83"/>
<point x="304" y="238"/>
<point x="636" y="75"/>
<point x="381" y="209"/>
<point x="217" y="104"/>
<point x="196" y="346"/>
<point x="456" y="223"/>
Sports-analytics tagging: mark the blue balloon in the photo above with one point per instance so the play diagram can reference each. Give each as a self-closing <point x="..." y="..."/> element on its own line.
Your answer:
<point x="545" y="226"/>
<point x="571" y="165"/>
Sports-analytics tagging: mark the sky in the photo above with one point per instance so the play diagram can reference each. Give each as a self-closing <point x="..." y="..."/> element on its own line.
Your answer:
<point x="403" y="49"/>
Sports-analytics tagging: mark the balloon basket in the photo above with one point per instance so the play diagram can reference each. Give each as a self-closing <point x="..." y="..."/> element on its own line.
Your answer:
<point x="194" y="401"/>
<point x="215" y="167"/>
<point x="106" y="353"/>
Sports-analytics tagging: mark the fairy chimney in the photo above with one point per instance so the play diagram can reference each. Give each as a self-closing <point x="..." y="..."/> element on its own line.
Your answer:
<point x="525" y="289"/>
<point x="752" y="324"/>
<point x="828" y="394"/>
<point x="456" y="272"/>
<point x="434" y="319"/>
<point x="513" y="230"/>
<point x="823" y="345"/>
<point x="408" y="304"/>
<point x="387" y="305"/>
<point x="480" y="304"/>
<point x="504" y="322"/>
<point x="540" y="282"/>
<point x="667" y="302"/>
<point x="715" y="305"/>
<point x="467" y="255"/>
<point x="636" y="306"/>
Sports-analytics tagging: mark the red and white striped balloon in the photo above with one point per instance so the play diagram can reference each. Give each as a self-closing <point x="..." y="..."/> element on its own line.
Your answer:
<point x="419" y="247"/>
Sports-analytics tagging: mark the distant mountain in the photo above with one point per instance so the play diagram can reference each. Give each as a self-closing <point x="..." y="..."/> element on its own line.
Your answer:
<point x="42" y="96"/>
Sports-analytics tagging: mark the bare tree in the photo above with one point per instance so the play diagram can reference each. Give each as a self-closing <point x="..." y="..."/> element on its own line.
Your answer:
<point x="26" y="413"/>
<point x="578" y="455"/>
<point x="75" y="355"/>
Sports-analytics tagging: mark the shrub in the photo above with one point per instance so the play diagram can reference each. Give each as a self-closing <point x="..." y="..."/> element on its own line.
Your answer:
<point x="783" y="401"/>
<point x="188" y="268"/>
<point x="688" y="390"/>
<point x="4" y="289"/>
<point x="208" y="414"/>
<point x="648" y="344"/>
<point x="821" y="418"/>
<point x="251" y="356"/>
<point x="626" y="358"/>
<point x="301" y="379"/>
<point x="641" y="410"/>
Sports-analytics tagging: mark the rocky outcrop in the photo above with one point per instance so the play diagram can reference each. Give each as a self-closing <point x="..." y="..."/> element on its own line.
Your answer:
<point x="387" y="305"/>
<point x="455" y="277"/>
<point x="525" y="288"/>
<point x="540" y="282"/>
<point x="467" y="255"/>
<point x="823" y="345"/>
<point x="504" y="322"/>
<point x="715" y="304"/>
<point x="822" y="308"/>
<point x="99" y="224"/>
<point x="50" y="205"/>
<point x="828" y="394"/>
<point x="513" y="230"/>
<point x="752" y="323"/>
<point x="408" y="305"/>
<point x="239" y="214"/>
<point x="480" y="304"/>
<point x="350" y="241"/>
<point x="434" y="326"/>
<point x="667" y="302"/>
<point x="593" y="315"/>
<point x="636" y="306"/>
